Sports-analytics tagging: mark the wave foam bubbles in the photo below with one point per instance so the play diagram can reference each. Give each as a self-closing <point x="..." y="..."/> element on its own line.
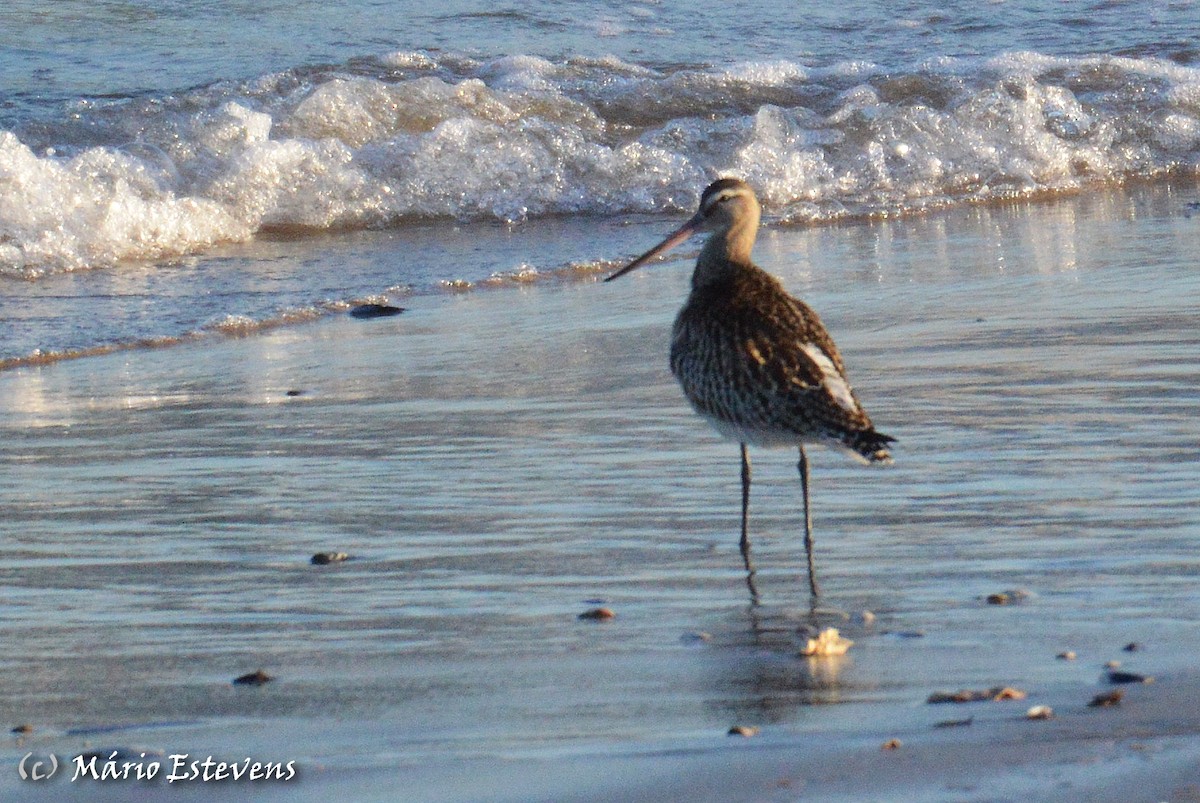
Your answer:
<point x="411" y="135"/>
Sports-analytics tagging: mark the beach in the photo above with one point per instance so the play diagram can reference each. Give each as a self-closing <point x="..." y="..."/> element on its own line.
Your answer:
<point x="332" y="468"/>
<point x="497" y="461"/>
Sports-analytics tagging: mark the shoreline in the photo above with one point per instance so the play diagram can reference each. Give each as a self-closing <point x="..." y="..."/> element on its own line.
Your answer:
<point x="577" y="271"/>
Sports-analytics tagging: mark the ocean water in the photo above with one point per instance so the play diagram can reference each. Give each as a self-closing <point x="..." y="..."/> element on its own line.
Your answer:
<point x="992" y="209"/>
<point x="169" y="171"/>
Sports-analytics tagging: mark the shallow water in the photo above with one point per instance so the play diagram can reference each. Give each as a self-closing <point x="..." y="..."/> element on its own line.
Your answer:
<point x="498" y="462"/>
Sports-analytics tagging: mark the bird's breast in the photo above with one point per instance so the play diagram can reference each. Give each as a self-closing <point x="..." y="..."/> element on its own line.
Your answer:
<point x="719" y="369"/>
<point x="759" y="366"/>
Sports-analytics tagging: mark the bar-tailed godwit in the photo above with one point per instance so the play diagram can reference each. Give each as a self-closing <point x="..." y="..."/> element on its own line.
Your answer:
<point x="754" y="361"/>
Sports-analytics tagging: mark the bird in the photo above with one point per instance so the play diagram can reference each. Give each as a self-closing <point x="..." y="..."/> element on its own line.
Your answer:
<point x="754" y="361"/>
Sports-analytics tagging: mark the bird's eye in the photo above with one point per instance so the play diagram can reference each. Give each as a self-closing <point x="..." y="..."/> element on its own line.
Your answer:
<point x="716" y="200"/>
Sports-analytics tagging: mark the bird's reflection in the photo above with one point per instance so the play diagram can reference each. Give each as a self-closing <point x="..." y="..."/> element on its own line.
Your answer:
<point x="755" y="598"/>
<point x="770" y="681"/>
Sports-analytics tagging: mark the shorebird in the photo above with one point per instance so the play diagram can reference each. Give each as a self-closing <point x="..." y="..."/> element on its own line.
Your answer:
<point x="754" y="361"/>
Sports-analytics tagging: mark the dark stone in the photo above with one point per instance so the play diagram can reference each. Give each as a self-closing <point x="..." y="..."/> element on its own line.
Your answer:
<point x="1107" y="699"/>
<point x="954" y="723"/>
<point x="365" y="311"/>
<point x="255" y="678"/>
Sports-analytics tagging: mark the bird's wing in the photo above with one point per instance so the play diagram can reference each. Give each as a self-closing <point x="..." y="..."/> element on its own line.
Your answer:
<point x="795" y="358"/>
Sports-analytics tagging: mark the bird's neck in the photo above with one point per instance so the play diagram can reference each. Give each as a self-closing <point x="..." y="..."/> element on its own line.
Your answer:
<point x="725" y="252"/>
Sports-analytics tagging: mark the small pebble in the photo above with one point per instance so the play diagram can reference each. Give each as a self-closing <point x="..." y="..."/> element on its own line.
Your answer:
<point x="863" y="618"/>
<point x="905" y="633"/>
<point x="1128" y="677"/>
<point x="1111" y="664"/>
<point x="994" y="694"/>
<point x="23" y="729"/>
<point x="1132" y="646"/>
<point x="598" y="614"/>
<point x="1040" y="712"/>
<point x="294" y="393"/>
<point x="1107" y="699"/>
<point x="1013" y="595"/>
<point x="1066" y="656"/>
<point x="954" y="723"/>
<point x="325" y="558"/>
<point x="892" y="744"/>
<point x="256" y="678"/>
<point x="743" y="730"/>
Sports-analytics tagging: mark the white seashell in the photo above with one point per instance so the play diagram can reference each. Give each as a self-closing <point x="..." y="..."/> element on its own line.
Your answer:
<point x="827" y="643"/>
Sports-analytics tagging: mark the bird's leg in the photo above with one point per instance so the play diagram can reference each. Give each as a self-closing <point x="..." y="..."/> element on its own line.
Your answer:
<point x="808" y="537"/>
<point x="745" y="504"/>
<point x="745" y="542"/>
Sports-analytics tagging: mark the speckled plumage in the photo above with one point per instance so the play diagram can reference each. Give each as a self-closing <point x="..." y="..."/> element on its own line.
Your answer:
<point x="738" y="351"/>
<point x="757" y="363"/>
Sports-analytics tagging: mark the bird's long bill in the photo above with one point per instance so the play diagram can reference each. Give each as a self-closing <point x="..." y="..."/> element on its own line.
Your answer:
<point x="673" y="239"/>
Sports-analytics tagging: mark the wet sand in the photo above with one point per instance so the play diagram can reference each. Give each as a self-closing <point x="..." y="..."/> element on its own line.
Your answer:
<point x="498" y="462"/>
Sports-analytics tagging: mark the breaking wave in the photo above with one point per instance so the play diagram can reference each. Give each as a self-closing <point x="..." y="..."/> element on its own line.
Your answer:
<point x="375" y="142"/>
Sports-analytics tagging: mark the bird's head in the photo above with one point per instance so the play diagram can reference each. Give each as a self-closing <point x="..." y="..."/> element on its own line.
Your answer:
<point x="725" y="205"/>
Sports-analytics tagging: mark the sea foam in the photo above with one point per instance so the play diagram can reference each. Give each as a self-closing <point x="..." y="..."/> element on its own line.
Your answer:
<point x="412" y="135"/>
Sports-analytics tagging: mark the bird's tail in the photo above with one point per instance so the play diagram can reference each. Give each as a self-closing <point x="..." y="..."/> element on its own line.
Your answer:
<point x="870" y="445"/>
